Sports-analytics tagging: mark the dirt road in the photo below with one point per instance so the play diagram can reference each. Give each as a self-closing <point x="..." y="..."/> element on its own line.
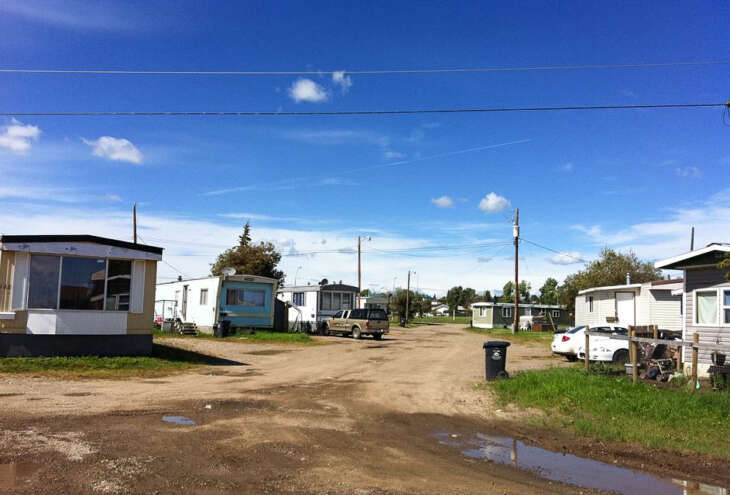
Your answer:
<point x="351" y="416"/>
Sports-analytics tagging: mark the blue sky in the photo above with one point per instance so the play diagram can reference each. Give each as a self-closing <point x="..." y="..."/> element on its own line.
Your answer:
<point x="630" y="179"/>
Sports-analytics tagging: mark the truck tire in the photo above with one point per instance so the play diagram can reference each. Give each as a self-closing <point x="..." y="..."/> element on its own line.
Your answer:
<point x="325" y="329"/>
<point x="356" y="332"/>
<point x="620" y="357"/>
<point x="377" y="336"/>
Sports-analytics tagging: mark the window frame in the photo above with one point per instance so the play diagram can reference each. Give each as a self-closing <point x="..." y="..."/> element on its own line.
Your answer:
<point x="240" y="300"/>
<point x="61" y="257"/>
<point x="556" y="313"/>
<point x="590" y="303"/>
<point x="200" y="300"/>
<point x="723" y="307"/>
<point x="507" y="309"/>
<point x="718" y="313"/>
<point x="295" y="295"/>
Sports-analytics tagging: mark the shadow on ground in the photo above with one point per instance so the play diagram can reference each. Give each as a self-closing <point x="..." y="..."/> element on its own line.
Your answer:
<point x="170" y="353"/>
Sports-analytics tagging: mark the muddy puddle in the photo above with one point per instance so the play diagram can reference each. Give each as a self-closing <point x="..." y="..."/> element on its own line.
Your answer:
<point x="178" y="420"/>
<point x="269" y="352"/>
<point x="15" y="474"/>
<point x="570" y="469"/>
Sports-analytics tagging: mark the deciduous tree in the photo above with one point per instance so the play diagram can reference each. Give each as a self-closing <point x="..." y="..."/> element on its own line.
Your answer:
<point x="249" y="258"/>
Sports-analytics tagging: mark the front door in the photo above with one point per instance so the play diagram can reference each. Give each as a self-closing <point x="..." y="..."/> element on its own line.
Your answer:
<point x="625" y="310"/>
<point x="184" y="306"/>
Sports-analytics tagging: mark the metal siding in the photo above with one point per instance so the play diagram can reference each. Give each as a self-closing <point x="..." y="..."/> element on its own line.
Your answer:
<point x="704" y="278"/>
<point x="255" y="318"/>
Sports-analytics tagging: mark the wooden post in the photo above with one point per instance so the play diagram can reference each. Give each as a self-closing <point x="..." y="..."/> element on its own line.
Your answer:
<point x="695" y="352"/>
<point x="680" y="364"/>
<point x="634" y="353"/>
<point x="655" y="330"/>
<point x="587" y="353"/>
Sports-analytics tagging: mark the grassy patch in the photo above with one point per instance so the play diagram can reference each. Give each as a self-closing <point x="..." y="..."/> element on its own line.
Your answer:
<point x="257" y="336"/>
<point x="506" y="334"/>
<point x="164" y="360"/>
<point x="612" y="408"/>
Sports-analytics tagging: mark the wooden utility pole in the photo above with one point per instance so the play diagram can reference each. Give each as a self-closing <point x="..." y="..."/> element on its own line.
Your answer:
<point x="359" y="289"/>
<point x="134" y="221"/>
<point x="408" y="293"/>
<point x="516" y="235"/>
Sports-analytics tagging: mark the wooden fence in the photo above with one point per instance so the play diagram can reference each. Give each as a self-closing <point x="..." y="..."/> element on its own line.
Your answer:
<point x="652" y="330"/>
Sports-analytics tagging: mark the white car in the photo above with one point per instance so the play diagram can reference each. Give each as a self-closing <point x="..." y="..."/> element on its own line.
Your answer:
<point x="605" y="348"/>
<point x="566" y="344"/>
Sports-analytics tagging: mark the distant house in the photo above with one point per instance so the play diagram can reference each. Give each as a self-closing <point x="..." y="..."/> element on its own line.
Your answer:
<point x="440" y="309"/>
<point x="63" y="295"/>
<point x="309" y="305"/>
<point x="650" y="303"/>
<point x="495" y="315"/>
<point x="246" y="301"/>
<point x="378" y="301"/>
<point x="706" y="298"/>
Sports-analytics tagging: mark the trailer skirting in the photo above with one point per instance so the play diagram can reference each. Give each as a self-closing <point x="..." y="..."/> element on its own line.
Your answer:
<point x="29" y="345"/>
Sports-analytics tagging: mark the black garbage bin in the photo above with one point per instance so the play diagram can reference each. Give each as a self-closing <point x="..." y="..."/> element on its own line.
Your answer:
<point x="495" y="359"/>
<point x="403" y="321"/>
<point x="223" y="328"/>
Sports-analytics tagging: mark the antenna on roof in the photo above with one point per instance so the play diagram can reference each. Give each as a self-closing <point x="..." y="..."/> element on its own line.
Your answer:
<point x="228" y="271"/>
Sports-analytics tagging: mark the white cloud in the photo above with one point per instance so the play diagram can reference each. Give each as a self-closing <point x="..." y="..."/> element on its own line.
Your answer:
<point x="390" y="154"/>
<point x="691" y="172"/>
<point x="566" y="258"/>
<point x="113" y="197"/>
<point x="307" y="90"/>
<point x="116" y="149"/>
<point x="567" y="167"/>
<point x="17" y="137"/>
<point x="344" y="81"/>
<point x="443" y="202"/>
<point x="493" y="202"/>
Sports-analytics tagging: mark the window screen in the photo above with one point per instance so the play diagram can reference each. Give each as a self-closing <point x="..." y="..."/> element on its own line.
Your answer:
<point x="118" y="285"/>
<point x="43" y="283"/>
<point x="203" y="297"/>
<point x="246" y="297"/>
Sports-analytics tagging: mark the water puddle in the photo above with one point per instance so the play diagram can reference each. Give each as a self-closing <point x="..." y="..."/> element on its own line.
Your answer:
<point x="16" y="473"/>
<point x="178" y="420"/>
<point x="269" y="352"/>
<point x="567" y="468"/>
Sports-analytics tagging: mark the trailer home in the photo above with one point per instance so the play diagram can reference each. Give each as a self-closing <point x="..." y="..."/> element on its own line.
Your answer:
<point x="309" y="305"/>
<point x="70" y="295"/>
<point x="245" y="301"/>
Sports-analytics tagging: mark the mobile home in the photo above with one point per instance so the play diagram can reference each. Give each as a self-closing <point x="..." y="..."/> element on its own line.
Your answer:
<point x="246" y="301"/>
<point x="63" y="295"/>
<point x="495" y="315"/>
<point x="650" y="303"/>
<point x="309" y="305"/>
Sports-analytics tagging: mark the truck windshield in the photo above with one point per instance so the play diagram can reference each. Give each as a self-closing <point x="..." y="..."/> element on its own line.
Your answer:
<point x="377" y="314"/>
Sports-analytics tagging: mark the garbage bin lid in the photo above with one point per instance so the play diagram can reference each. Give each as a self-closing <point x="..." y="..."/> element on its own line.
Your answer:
<point x="496" y="343"/>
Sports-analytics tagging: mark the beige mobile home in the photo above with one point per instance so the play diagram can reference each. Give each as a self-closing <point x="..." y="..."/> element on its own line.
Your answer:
<point x="66" y="295"/>
<point x="651" y="303"/>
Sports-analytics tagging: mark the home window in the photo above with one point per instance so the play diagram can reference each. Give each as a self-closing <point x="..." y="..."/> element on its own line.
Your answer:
<point x="337" y="301"/>
<point x="726" y="307"/>
<point x="43" y="283"/>
<point x="346" y="301"/>
<point x="507" y="312"/>
<point x="82" y="283"/>
<point x="326" y="300"/>
<point x="298" y="298"/>
<point x="246" y="297"/>
<point x="706" y="311"/>
<point x="556" y="313"/>
<point x="590" y="304"/>
<point x="118" y="285"/>
<point x="203" y="297"/>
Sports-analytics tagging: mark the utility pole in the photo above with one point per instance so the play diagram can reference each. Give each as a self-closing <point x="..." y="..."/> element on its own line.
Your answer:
<point x="692" y="240"/>
<point x="134" y="221"/>
<point x="359" y="289"/>
<point x="516" y="235"/>
<point x="408" y="291"/>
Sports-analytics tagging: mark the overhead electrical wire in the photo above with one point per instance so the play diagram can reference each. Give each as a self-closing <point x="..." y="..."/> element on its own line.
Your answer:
<point x="364" y="112"/>
<point x="363" y="72"/>
<point x="561" y="253"/>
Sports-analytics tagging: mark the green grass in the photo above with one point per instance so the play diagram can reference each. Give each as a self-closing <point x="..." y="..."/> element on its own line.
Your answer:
<point x="256" y="336"/>
<point x="506" y="334"/>
<point x="611" y="408"/>
<point x="164" y="360"/>
<point x="431" y="320"/>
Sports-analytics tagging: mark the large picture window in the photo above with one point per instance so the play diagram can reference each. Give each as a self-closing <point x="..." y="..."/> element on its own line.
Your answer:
<point x="118" y="285"/>
<point x="706" y="312"/>
<point x="82" y="283"/>
<point x="246" y="297"/>
<point x="43" y="283"/>
<point x="298" y="298"/>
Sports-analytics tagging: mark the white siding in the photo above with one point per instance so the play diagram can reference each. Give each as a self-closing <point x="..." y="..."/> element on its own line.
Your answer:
<point x="136" y="298"/>
<point x="308" y="309"/>
<point x="653" y="307"/>
<point x="48" y="322"/>
<point x="202" y="315"/>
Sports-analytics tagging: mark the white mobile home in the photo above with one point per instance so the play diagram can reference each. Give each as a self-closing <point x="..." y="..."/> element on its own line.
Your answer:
<point x="246" y="301"/>
<point x="650" y="303"/>
<point x="309" y="305"/>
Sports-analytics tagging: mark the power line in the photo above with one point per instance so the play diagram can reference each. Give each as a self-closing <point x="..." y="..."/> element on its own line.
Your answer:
<point x="364" y="72"/>
<point x="364" y="112"/>
<point x="567" y="255"/>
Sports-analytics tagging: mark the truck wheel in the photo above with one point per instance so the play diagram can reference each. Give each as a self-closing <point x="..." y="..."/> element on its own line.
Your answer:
<point x="355" y="332"/>
<point x="620" y="357"/>
<point x="571" y="357"/>
<point x="377" y="336"/>
<point x="325" y="329"/>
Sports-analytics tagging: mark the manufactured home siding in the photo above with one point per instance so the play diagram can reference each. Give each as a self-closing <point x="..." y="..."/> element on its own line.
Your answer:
<point x="665" y="310"/>
<point x="704" y="278"/>
<point x="482" y="317"/>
